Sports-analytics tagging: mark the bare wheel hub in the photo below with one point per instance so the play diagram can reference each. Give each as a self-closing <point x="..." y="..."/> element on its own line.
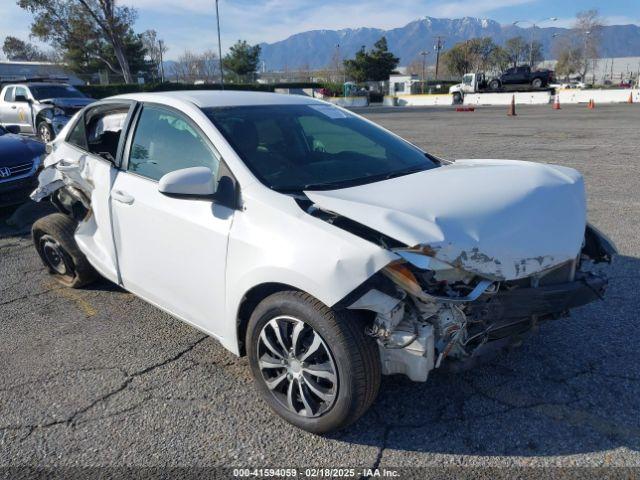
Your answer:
<point x="55" y="256"/>
<point x="297" y="366"/>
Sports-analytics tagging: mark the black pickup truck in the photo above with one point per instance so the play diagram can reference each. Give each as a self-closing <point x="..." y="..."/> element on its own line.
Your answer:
<point x="518" y="78"/>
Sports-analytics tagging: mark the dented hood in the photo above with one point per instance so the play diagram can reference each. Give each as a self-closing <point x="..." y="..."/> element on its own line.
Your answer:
<point x="497" y="218"/>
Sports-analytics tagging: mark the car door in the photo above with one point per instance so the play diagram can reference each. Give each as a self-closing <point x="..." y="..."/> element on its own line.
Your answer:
<point x="171" y="251"/>
<point x="89" y="156"/>
<point x="507" y="76"/>
<point x="22" y="109"/>
<point x="522" y="75"/>
<point x="8" y="110"/>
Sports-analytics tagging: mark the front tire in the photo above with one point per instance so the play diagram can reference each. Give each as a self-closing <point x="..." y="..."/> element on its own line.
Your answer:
<point x="314" y="366"/>
<point x="45" y="132"/>
<point x="457" y="98"/>
<point x="53" y="238"/>
<point x="536" y="83"/>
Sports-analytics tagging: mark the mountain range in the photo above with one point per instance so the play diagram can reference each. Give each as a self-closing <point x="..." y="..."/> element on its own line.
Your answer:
<point x="315" y="49"/>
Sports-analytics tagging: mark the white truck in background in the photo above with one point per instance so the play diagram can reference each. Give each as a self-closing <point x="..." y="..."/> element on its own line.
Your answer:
<point x="515" y="79"/>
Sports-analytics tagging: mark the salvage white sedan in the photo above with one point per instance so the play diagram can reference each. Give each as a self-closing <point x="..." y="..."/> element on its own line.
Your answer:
<point x="324" y="247"/>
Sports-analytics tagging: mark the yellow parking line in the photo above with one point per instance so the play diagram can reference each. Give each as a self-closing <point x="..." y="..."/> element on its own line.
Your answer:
<point x="70" y="294"/>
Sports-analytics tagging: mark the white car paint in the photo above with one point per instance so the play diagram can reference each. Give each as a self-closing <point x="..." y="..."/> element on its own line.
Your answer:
<point x="498" y="218"/>
<point x="198" y="260"/>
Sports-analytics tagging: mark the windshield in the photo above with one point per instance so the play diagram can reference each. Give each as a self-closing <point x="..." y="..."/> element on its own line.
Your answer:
<point x="313" y="147"/>
<point x="42" y="92"/>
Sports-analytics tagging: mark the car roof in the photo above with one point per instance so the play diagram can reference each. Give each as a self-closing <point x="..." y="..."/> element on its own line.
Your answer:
<point x="35" y="84"/>
<point x="221" y="98"/>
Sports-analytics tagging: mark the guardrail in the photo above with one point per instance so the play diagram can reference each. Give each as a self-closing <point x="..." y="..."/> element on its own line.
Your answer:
<point x="569" y="96"/>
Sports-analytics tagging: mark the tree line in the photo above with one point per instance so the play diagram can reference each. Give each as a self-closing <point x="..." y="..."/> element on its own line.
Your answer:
<point x="483" y="54"/>
<point x="94" y="35"/>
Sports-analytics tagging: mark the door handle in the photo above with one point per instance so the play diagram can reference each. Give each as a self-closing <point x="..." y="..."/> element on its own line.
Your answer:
<point x="13" y="107"/>
<point x="122" y="197"/>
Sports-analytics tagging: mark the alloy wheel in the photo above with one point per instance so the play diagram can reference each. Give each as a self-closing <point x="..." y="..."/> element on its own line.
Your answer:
<point x="297" y="366"/>
<point x="45" y="133"/>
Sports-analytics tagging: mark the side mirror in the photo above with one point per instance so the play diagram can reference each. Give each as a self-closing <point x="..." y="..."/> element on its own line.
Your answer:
<point x="15" y="129"/>
<point x="21" y="98"/>
<point x="188" y="182"/>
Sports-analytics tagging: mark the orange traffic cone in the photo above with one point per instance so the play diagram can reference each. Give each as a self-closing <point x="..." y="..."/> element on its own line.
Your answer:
<point x="556" y="102"/>
<point x="512" y="107"/>
<point x="630" y="98"/>
<point x="592" y="104"/>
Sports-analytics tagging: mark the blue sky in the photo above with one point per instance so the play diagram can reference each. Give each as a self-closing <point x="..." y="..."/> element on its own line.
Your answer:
<point x="190" y="24"/>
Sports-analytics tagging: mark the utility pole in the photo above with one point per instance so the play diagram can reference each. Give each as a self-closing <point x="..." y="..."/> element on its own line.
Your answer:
<point x="424" y="65"/>
<point x="340" y="65"/>
<point x="219" y="48"/>
<point x="161" y="47"/>
<point x="533" y="34"/>
<point x="534" y="25"/>
<point x="437" y="47"/>
<point x="586" y="55"/>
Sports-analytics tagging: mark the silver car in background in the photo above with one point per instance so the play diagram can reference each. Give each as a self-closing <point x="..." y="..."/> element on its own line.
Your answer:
<point x="40" y="108"/>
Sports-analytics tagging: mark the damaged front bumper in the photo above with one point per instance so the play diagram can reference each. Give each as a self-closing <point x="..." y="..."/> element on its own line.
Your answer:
<point x="429" y="314"/>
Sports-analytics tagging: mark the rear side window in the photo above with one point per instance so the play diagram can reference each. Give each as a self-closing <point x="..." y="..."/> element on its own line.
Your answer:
<point x="99" y="130"/>
<point x="8" y="95"/>
<point x="77" y="135"/>
<point x="165" y="141"/>
<point x="104" y="126"/>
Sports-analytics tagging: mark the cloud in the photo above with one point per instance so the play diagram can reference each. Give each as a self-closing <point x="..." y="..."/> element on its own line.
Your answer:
<point x="15" y="22"/>
<point x="621" y="20"/>
<point x="469" y="8"/>
<point x="191" y="24"/>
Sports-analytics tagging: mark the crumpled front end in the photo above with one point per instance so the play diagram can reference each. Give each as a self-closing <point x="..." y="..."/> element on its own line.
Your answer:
<point x="487" y="249"/>
<point x="430" y="314"/>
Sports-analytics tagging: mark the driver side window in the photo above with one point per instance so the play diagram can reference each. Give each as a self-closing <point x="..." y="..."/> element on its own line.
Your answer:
<point x="165" y="141"/>
<point x="20" y="91"/>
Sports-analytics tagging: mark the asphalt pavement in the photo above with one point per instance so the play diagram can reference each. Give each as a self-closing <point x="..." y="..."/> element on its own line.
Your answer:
<point x="99" y="378"/>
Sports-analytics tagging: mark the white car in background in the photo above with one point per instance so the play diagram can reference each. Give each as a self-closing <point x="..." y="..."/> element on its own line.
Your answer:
<point x="324" y="247"/>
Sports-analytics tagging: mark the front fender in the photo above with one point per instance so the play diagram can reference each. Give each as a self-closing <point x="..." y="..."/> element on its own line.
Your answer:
<point x="285" y="245"/>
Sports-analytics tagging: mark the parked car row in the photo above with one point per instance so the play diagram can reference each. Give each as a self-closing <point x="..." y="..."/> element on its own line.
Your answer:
<point x="40" y="108"/>
<point x="31" y="111"/>
<point x="20" y="162"/>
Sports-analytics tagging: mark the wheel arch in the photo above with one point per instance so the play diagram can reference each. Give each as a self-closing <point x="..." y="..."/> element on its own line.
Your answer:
<point x="250" y="301"/>
<point x="45" y="114"/>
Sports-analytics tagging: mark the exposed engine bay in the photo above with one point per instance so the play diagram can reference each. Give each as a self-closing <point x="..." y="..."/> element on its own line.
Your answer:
<point x="428" y="312"/>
